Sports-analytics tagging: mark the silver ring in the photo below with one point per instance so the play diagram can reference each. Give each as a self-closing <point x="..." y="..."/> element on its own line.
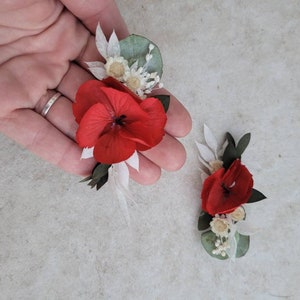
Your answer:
<point x="50" y="102"/>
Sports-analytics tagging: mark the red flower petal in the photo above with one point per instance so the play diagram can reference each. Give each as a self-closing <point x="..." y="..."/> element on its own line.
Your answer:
<point x="136" y="132"/>
<point x="211" y="191"/>
<point x="154" y="127"/>
<point x="224" y="191"/>
<point x="88" y="94"/>
<point x="123" y="104"/>
<point x="116" y="122"/>
<point x="113" y="148"/>
<point x="92" y="125"/>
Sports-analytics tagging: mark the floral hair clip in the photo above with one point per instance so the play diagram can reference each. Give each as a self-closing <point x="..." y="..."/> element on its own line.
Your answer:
<point x="227" y="187"/>
<point x="116" y="117"/>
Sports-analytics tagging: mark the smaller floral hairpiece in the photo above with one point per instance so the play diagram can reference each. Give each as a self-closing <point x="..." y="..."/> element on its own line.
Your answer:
<point x="116" y="116"/>
<point x="227" y="187"/>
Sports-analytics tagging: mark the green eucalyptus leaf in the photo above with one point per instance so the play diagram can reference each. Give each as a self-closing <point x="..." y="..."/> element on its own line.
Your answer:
<point x="208" y="240"/>
<point x="243" y="143"/>
<point x="243" y="243"/>
<point x="256" y="196"/>
<point x="136" y="47"/>
<point x="164" y="100"/>
<point x="204" y="220"/>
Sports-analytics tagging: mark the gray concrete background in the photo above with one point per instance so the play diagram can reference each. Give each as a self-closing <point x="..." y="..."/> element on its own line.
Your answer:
<point x="235" y="65"/>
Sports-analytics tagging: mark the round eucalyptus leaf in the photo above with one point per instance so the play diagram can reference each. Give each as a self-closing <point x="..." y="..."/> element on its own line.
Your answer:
<point x="208" y="240"/>
<point x="243" y="242"/>
<point x="136" y="47"/>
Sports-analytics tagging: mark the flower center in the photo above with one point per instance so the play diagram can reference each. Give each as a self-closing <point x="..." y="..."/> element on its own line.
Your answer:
<point x="220" y="226"/>
<point x="116" y="69"/>
<point x="120" y="120"/>
<point x="133" y="83"/>
<point x="226" y="190"/>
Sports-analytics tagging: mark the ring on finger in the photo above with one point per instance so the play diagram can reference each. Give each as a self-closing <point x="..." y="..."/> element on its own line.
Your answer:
<point x="49" y="104"/>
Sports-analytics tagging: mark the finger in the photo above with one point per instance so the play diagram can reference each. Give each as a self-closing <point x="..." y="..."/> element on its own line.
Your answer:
<point x="94" y="11"/>
<point x="148" y="172"/>
<point x="74" y="77"/>
<point x="60" y="113"/>
<point x="179" y="122"/>
<point x="46" y="141"/>
<point x="169" y="154"/>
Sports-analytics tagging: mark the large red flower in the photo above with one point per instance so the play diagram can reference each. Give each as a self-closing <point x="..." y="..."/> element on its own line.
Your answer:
<point x="225" y="190"/>
<point x="115" y="121"/>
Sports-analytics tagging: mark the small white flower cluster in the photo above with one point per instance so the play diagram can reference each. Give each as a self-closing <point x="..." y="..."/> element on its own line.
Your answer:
<point x="136" y="78"/>
<point x="221" y="247"/>
<point x="139" y="80"/>
<point x="224" y="227"/>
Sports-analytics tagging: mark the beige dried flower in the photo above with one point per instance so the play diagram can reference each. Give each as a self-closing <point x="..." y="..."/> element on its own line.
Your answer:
<point x="220" y="226"/>
<point x="238" y="214"/>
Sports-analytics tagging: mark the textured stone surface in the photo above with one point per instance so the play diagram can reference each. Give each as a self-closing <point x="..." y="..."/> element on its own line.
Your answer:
<point x="235" y="65"/>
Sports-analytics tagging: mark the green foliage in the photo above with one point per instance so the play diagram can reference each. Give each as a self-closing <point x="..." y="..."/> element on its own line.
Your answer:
<point x="164" y="100"/>
<point x="99" y="176"/>
<point x="243" y="143"/>
<point x="136" y="47"/>
<point x="230" y="155"/>
<point x="204" y="220"/>
<point x="208" y="240"/>
<point x="243" y="243"/>
<point x="233" y="152"/>
<point x="230" y="138"/>
<point x="256" y="196"/>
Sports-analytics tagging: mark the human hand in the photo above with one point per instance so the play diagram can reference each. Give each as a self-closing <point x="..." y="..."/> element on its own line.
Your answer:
<point x="43" y="49"/>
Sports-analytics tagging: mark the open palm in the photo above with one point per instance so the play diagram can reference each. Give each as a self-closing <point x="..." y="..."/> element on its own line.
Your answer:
<point x="43" y="49"/>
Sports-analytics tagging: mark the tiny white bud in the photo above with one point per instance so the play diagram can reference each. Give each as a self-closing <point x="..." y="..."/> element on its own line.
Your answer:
<point x="151" y="47"/>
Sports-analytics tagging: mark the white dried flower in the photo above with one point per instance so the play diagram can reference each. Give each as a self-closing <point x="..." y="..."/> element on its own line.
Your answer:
<point x="238" y="214"/>
<point x="117" y="67"/>
<point x="140" y="81"/>
<point x="220" y="226"/>
<point x="222" y="245"/>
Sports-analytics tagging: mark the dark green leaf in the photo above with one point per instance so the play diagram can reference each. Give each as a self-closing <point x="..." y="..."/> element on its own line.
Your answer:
<point x="243" y="143"/>
<point x="86" y="179"/>
<point x="136" y="47"/>
<point x="204" y="220"/>
<point x="230" y="138"/>
<point x="165" y="101"/>
<point x="99" y="176"/>
<point x="100" y="170"/>
<point x="208" y="240"/>
<point x="230" y="155"/>
<point x="256" y="196"/>
<point x="102" y="181"/>
<point x="243" y="242"/>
